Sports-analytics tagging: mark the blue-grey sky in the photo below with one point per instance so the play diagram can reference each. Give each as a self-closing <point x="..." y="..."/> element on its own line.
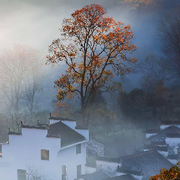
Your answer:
<point x="36" y="22"/>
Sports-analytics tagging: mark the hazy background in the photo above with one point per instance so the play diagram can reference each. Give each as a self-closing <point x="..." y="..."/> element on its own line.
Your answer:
<point x="36" y="23"/>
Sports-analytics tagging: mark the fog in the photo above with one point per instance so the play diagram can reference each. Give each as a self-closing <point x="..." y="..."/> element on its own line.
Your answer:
<point x="137" y="107"/>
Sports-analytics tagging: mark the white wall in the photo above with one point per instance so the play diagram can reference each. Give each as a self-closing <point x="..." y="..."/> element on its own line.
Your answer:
<point x="109" y="167"/>
<point x="135" y="176"/>
<point x="25" y="149"/>
<point x="52" y="121"/>
<point x="90" y="170"/>
<point x="150" y="134"/>
<point x="164" y="153"/>
<point x="84" y="132"/>
<point x="173" y="141"/>
<point x="69" y="158"/>
<point x="173" y="161"/>
<point x="71" y="124"/>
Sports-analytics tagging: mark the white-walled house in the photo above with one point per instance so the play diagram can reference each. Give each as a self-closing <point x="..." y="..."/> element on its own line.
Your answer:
<point x="166" y="141"/>
<point x="166" y="124"/>
<point x="56" y="151"/>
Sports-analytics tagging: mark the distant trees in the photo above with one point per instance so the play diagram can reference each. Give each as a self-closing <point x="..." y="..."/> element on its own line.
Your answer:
<point x="141" y="105"/>
<point x="133" y="105"/>
<point x="169" y="31"/>
<point x="97" y="52"/>
<point x="168" y="174"/>
<point x="154" y="69"/>
<point x="20" y="77"/>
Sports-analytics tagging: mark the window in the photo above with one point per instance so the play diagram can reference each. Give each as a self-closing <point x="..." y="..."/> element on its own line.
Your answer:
<point x="78" y="171"/>
<point x="21" y="174"/>
<point x="44" y="154"/>
<point x="78" y="149"/>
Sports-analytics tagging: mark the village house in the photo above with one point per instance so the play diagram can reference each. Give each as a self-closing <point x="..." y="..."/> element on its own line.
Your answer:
<point x="161" y="150"/>
<point x="166" y="140"/>
<point x="139" y="166"/>
<point x="54" y="151"/>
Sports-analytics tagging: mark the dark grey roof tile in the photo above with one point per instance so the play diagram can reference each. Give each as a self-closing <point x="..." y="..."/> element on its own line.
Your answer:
<point x="98" y="175"/>
<point x="160" y="137"/>
<point x="123" y="177"/>
<point x="68" y="135"/>
<point x="151" y="162"/>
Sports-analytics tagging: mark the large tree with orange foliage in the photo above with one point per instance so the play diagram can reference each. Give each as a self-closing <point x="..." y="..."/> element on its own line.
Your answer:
<point x="168" y="174"/>
<point x="96" y="51"/>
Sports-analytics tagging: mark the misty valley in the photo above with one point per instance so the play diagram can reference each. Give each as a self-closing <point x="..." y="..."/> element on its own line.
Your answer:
<point x="96" y="97"/>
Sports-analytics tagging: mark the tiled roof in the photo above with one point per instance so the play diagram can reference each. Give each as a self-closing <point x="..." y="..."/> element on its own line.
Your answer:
<point x="14" y="133"/>
<point x="173" y="135"/>
<point x="173" y="156"/>
<point x="81" y="127"/>
<point x="54" y="117"/>
<point x="34" y="127"/>
<point x="39" y="126"/>
<point x="116" y="160"/>
<point x="123" y="177"/>
<point x="94" y="147"/>
<point x="135" y="170"/>
<point x="151" y="162"/>
<point x="68" y="135"/>
<point x="170" y="122"/>
<point x="98" y="175"/>
<point x="152" y="130"/>
<point x="160" y="137"/>
<point x="156" y="147"/>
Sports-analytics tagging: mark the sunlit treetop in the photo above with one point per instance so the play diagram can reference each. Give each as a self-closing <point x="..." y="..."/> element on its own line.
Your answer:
<point x="140" y="3"/>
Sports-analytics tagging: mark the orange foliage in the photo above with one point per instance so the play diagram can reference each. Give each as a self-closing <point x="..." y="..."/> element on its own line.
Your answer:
<point x="168" y="174"/>
<point x="137" y="3"/>
<point x="100" y="42"/>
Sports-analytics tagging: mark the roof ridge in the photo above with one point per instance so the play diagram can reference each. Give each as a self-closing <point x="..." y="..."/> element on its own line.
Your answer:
<point x="67" y="134"/>
<point x="136" y="155"/>
<point x="171" y="126"/>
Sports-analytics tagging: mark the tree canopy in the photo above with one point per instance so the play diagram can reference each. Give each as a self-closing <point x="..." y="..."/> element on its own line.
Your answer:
<point x="169" y="32"/>
<point x="96" y="51"/>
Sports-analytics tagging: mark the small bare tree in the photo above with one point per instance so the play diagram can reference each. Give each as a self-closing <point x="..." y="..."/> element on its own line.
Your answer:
<point x="34" y="173"/>
<point x="20" y="77"/>
<point x="33" y="82"/>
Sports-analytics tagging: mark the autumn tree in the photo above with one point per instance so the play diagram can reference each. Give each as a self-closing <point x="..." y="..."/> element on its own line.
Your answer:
<point x="168" y="174"/>
<point x="96" y="51"/>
